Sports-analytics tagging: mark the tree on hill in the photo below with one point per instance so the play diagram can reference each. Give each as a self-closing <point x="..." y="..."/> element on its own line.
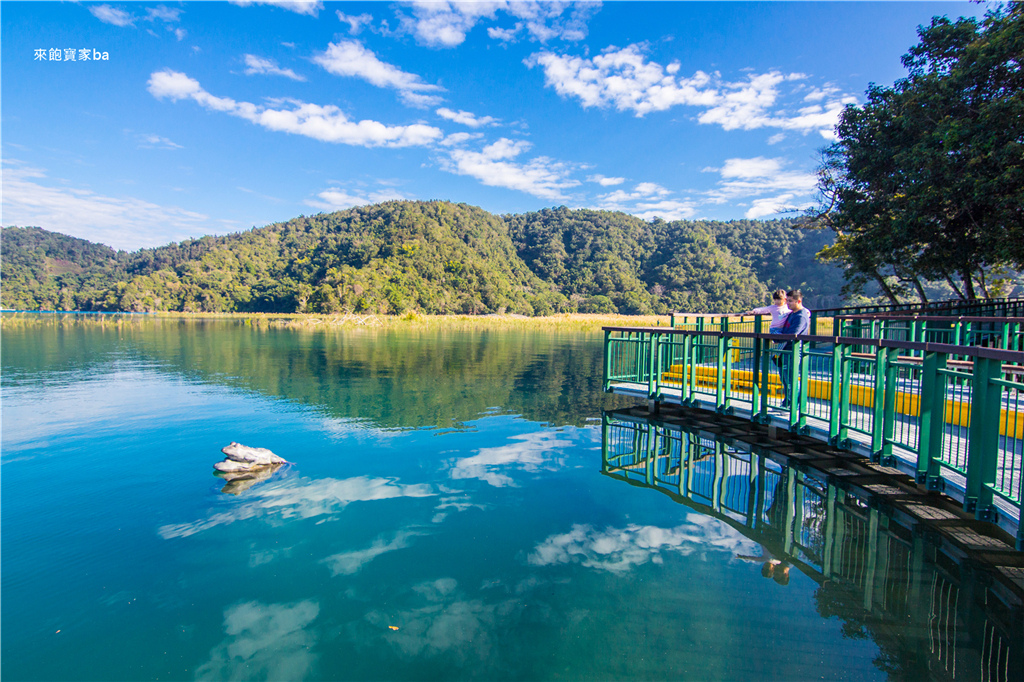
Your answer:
<point x="926" y="181"/>
<point x="433" y="257"/>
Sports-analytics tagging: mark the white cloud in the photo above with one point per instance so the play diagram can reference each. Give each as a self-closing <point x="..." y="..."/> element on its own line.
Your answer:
<point x="493" y="166"/>
<point x="626" y="80"/>
<point x="309" y="7"/>
<point x="327" y="123"/>
<point x="760" y="208"/>
<point x="648" y="200"/>
<point x="466" y="118"/>
<point x="264" y="641"/>
<point x="152" y="141"/>
<point x="351" y="58"/>
<point x="260" y="65"/>
<point x="302" y="498"/>
<point x="165" y="14"/>
<point x="619" y="550"/>
<point x="112" y="15"/>
<point x="338" y="199"/>
<point x="605" y="182"/>
<point x="355" y="21"/>
<point x="529" y="454"/>
<point x="121" y="222"/>
<point x="758" y="167"/>
<point x="456" y="139"/>
<point x="446" y="24"/>
<point x="776" y="138"/>
<point x="749" y="178"/>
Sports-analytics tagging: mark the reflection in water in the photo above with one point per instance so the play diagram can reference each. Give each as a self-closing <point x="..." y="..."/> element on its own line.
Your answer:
<point x="348" y="563"/>
<point x="301" y="498"/>
<point x="389" y="378"/>
<point x="240" y="481"/>
<point x="264" y="642"/>
<point x="931" y="615"/>
<point x="531" y="452"/>
<point x="619" y="550"/>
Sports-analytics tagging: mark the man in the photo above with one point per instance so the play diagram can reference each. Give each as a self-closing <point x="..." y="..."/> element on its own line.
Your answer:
<point x="798" y="322"/>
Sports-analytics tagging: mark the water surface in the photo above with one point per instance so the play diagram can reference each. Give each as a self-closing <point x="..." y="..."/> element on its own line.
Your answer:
<point x="445" y="516"/>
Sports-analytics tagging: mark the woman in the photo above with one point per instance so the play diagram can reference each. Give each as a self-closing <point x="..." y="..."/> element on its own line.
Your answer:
<point x="778" y="310"/>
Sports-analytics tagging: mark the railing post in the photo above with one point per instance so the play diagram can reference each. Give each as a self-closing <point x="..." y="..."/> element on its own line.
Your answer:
<point x="878" y="418"/>
<point x="931" y="428"/>
<point x="686" y="392"/>
<point x="889" y="407"/>
<point x="794" y="377"/>
<point x="835" y="396"/>
<point x="844" y="395"/>
<point x="727" y="347"/>
<point x="755" y="377"/>
<point x="766" y="358"/>
<point x="652" y="361"/>
<point x="607" y="359"/>
<point x="720" y="375"/>
<point x="983" y="453"/>
<point x="804" y="360"/>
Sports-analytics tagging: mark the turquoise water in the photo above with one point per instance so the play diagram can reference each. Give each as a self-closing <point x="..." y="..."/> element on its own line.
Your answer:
<point x="444" y="516"/>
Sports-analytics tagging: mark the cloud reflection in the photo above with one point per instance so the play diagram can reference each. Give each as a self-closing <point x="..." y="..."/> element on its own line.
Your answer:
<point x="446" y="623"/>
<point x="620" y="549"/>
<point x="530" y="454"/>
<point x="264" y="642"/>
<point x="348" y="563"/>
<point x="302" y="498"/>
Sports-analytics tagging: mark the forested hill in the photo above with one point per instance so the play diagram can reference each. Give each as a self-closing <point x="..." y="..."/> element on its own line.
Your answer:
<point x="433" y="257"/>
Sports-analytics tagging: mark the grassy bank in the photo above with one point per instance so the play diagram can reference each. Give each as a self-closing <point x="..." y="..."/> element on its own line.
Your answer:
<point x="564" y="322"/>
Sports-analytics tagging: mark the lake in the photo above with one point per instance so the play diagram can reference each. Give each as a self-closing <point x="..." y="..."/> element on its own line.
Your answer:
<point x="447" y="513"/>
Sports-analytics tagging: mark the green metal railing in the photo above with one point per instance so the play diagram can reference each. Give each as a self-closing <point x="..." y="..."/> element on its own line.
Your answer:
<point x="952" y="413"/>
<point x="990" y="332"/>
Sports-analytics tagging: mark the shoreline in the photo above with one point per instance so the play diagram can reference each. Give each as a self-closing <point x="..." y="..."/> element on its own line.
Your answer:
<point x="587" y="322"/>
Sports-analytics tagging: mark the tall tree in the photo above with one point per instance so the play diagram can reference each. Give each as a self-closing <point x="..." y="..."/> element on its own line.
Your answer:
<point x="926" y="180"/>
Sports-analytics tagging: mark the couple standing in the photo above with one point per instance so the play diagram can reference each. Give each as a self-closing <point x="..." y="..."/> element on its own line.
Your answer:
<point x="789" y="316"/>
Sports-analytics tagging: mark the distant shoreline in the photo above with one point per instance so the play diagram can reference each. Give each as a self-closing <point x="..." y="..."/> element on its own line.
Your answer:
<point x="312" y="321"/>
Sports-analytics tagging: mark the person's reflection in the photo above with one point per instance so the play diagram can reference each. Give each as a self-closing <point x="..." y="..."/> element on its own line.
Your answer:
<point x="771" y="567"/>
<point x="770" y="534"/>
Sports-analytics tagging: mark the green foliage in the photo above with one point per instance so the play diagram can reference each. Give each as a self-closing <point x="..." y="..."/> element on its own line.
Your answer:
<point x="431" y="258"/>
<point x="926" y="181"/>
<point x="656" y="267"/>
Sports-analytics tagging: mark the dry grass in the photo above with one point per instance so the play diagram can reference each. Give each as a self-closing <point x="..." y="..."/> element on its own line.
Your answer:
<point x="575" y="322"/>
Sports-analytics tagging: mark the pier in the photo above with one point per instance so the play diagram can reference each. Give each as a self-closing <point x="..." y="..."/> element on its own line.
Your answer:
<point x="937" y="396"/>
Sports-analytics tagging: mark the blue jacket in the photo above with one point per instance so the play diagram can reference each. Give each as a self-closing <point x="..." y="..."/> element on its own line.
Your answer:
<point x="797" y="322"/>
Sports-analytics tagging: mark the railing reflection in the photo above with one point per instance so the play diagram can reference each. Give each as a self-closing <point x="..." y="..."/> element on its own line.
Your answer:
<point x="929" y="611"/>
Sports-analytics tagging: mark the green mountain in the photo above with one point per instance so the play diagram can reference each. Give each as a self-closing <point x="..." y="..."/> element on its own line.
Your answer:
<point x="434" y="257"/>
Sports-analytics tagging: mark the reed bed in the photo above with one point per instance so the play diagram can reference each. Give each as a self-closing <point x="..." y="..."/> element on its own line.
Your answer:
<point x="574" y="322"/>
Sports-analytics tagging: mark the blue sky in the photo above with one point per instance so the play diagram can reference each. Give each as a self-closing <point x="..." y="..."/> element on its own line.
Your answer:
<point x="216" y="117"/>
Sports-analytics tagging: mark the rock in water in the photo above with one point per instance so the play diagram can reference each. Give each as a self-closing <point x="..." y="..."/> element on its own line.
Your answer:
<point x="230" y="466"/>
<point x="252" y="456"/>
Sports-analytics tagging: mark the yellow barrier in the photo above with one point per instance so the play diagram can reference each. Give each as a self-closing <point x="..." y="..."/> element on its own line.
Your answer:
<point x="1011" y="422"/>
